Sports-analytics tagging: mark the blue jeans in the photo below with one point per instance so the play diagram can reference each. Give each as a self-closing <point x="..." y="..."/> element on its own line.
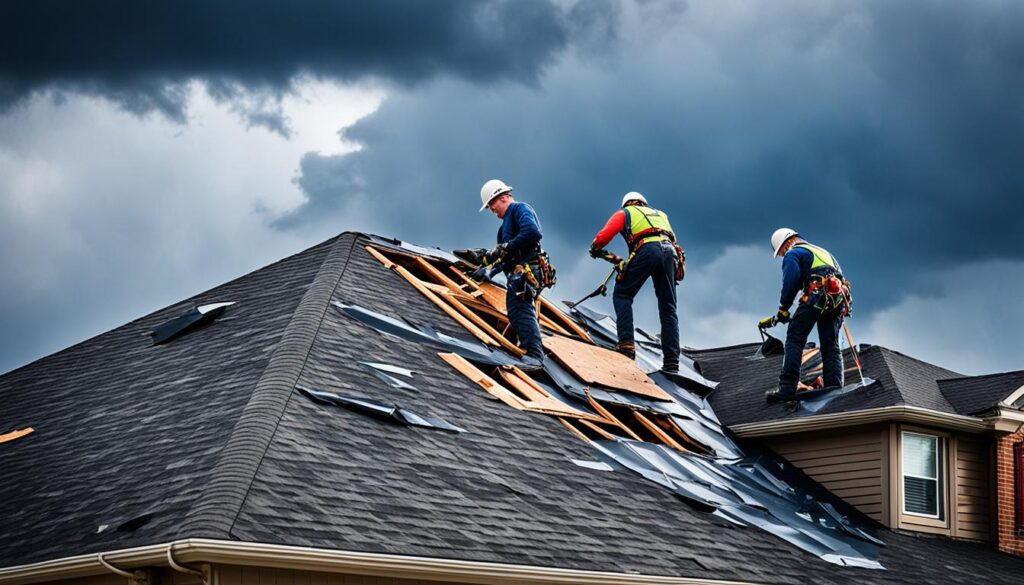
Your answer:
<point x="522" y="314"/>
<point x="829" y="323"/>
<point x="656" y="261"/>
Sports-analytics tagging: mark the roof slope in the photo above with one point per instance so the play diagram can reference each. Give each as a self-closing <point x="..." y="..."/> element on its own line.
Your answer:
<point x="270" y="465"/>
<point x="743" y="380"/>
<point x="976" y="394"/>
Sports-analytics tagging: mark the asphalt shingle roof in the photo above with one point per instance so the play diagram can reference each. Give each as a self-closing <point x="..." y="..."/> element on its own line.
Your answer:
<point x="977" y="394"/>
<point x="743" y="380"/>
<point x="209" y="433"/>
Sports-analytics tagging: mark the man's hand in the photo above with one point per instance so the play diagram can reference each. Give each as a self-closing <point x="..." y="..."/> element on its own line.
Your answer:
<point x="480" y="274"/>
<point x="596" y="252"/>
<point x="494" y="254"/>
<point x="782" y="316"/>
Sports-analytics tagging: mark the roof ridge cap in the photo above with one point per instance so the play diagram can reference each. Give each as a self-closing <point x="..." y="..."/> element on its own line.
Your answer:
<point x="213" y="512"/>
<point x="979" y="376"/>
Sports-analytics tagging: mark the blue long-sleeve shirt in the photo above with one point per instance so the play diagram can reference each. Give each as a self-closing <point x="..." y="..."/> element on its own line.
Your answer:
<point x="796" y="266"/>
<point x="520" y="232"/>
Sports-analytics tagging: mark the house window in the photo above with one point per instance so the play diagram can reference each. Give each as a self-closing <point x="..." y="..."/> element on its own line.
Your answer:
<point x="1018" y="486"/>
<point x="922" y="473"/>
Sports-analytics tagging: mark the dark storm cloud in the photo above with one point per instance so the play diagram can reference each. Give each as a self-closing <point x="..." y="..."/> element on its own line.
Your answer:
<point x="141" y="53"/>
<point x="888" y="133"/>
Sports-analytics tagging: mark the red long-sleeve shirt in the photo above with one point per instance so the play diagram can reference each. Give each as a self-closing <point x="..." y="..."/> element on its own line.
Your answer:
<point x="616" y="224"/>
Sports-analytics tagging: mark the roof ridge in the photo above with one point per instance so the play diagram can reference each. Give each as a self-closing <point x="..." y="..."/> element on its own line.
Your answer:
<point x="980" y="376"/>
<point x="213" y="513"/>
<point x="883" y="353"/>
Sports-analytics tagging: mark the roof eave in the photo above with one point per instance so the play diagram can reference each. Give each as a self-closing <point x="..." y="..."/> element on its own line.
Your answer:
<point x="1006" y="420"/>
<point x="208" y="551"/>
<point x="901" y="413"/>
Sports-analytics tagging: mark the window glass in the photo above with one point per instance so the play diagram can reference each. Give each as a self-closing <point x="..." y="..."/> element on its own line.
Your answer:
<point x="922" y="486"/>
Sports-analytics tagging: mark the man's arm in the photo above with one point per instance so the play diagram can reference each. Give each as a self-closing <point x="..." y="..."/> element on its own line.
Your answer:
<point x="616" y="223"/>
<point x="792" y="276"/>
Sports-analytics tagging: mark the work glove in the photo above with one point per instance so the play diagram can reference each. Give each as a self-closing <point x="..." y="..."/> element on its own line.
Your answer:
<point x="782" y="316"/>
<point x="480" y="274"/>
<point x="596" y="252"/>
<point x="494" y="254"/>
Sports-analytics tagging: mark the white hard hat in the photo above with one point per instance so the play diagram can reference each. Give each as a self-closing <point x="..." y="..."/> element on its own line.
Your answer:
<point x="492" y="189"/>
<point x="633" y="196"/>
<point x="779" y="237"/>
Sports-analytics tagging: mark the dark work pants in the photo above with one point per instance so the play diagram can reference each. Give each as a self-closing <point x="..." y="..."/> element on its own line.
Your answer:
<point x="656" y="261"/>
<point x="522" y="314"/>
<point x="829" y="323"/>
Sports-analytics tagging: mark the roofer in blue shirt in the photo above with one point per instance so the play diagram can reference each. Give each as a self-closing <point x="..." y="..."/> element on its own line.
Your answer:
<point x="524" y="263"/>
<point x="825" y="301"/>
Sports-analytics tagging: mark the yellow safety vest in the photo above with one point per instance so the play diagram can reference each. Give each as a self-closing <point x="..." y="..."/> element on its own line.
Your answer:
<point x="645" y="225"/>
<point x="822" y="257"/>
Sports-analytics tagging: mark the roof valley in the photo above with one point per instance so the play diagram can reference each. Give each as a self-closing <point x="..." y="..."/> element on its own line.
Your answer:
<point x="214" y="512"/>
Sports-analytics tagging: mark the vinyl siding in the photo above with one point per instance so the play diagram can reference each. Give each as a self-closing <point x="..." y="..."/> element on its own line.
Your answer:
<point x="973" y="489"/>
<point x="848" y="463"/>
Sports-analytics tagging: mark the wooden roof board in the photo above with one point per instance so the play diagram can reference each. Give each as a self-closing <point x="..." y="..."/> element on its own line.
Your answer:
<point x="596" y="365"/>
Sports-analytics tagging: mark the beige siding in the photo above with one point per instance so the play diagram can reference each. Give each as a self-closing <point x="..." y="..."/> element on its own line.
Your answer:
<point x="849" y="462"/>
<point x="973" y="488"/>
<point x="235" y="575"/>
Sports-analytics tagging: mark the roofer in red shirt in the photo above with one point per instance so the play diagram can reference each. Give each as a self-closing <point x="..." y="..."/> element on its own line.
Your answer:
<point x="653" y="254"/>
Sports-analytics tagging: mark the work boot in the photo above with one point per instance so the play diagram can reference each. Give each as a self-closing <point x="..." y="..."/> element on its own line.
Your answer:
<point x="531" y="364"/>
<point x="627" y="349"/>
<point x="670" y="368"/>
<point x="780" y="395"/>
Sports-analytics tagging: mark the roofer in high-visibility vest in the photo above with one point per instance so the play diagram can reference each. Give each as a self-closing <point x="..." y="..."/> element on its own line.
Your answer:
<point x="814" y="274"/>
<point x="526" y="266"/>
<point x="653" y="254"/>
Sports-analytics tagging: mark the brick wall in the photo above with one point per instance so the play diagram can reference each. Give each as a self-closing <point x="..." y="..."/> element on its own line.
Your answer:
<point x="1008" y="539"/>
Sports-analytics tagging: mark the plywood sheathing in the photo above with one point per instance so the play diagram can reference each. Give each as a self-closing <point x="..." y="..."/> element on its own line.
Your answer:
<point x="603" y="367"/>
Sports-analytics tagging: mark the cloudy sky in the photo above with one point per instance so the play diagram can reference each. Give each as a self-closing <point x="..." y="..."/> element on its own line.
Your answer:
<point x="152" y="150"/>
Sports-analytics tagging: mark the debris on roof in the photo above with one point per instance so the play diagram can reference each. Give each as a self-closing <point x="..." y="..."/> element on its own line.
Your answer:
<point x="15" y="434"/>
<point x="387" y="372"/>
<point x="383" y="410"/>
<point x="192" y="319"/>
<point x="654" y="428"/>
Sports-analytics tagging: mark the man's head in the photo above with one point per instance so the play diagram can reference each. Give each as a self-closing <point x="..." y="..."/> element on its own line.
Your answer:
<point x="491" y="192"/>
<point x="633" y="198"/>
<point x="499" y="205"/>
<point x="782" y="240"/>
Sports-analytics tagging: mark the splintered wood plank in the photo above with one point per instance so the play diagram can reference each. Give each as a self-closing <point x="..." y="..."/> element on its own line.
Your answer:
<point x="537" y="398"/>
<point x="573" y="429"/>
<point x="483" y="380"/>
<point x="450" y="305"/>
<point x="559" y="316"/>
<point x="658" y="432"/>
<point x="604" y="367"/>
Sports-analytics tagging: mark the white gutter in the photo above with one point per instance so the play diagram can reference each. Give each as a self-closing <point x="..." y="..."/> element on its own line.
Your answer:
<point x="330" y="561"/>
<point x="912" y="414"/>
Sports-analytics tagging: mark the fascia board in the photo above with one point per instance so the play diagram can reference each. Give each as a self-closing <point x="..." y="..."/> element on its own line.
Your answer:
<point x="206" y="551"/>
<point x="912" y="414"/>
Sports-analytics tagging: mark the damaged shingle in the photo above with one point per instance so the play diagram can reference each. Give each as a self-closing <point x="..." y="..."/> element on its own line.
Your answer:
<point x="382" y="410"/>
<point x="192" y="319"/>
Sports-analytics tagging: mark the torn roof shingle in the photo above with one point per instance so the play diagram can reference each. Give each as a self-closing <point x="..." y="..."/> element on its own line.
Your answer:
<point x="506" y="491"/>
<point x="978" y="394"/>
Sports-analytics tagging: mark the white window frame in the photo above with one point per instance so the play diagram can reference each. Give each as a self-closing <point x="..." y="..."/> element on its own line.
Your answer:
<point x="939" y="479"/>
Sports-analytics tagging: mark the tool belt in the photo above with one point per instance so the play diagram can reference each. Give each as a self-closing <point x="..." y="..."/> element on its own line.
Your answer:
<point x="636" y="240"/>
<point x="831" y="291"/>
<point x="540" y="265"/>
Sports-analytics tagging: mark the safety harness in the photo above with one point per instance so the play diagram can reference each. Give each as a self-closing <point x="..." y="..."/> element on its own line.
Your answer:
<point x="829" y="288"/>
<point x="650" y="234"/>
